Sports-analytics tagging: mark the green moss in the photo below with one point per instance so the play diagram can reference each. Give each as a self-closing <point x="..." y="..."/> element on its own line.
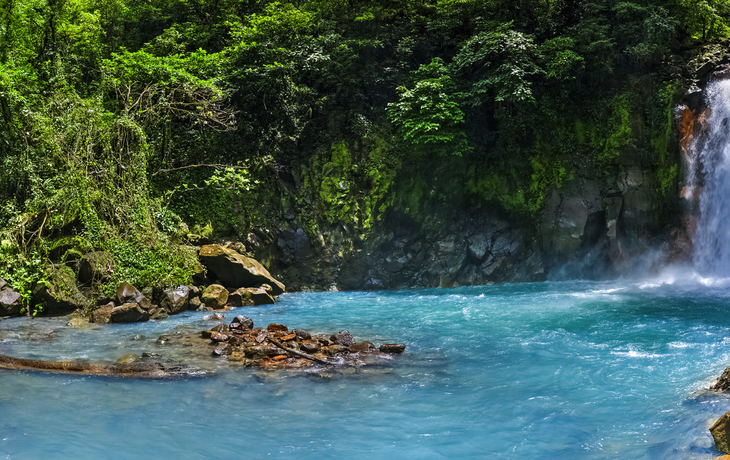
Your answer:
<point x="619" y="129"/>
<point x="547" y="173"/>
<point x="161" y="264"/>
<point x="335" y="189"/>
<point x="495" y="187"/>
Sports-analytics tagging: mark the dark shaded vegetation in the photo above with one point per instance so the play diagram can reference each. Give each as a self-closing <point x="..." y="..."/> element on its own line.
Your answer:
<point x="137" y="127"/>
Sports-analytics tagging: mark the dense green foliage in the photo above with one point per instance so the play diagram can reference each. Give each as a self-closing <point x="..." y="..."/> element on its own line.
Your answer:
<point x="130" y="124"/>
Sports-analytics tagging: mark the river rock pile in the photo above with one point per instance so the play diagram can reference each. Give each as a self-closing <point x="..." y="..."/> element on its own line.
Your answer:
<point x="231" y="280"/>
<point x="277" y="346"/>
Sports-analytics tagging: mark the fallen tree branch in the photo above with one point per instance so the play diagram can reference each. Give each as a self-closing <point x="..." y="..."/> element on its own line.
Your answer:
<point x="299" y="353"/>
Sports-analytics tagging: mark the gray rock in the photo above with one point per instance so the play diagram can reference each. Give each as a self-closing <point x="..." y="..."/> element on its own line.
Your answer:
<point x="3" y="283"/>
<point x="129" y="313"/>
<point x="10" y="302"/>
<point x="158" y="313"/>
<point x="175" y="300"/>
<point x="309" y="347"/>
<point x="215" y="317"/>
<point x="222" y="349"/>
<point x="302" y="334"/>
<point x="343" y="338"/>
<point x="245" y="323"/>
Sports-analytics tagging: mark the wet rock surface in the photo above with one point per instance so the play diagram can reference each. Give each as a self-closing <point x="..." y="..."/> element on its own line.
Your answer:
<point x="277" y="347"/>
<point x="129" y="313"/>
<point x="721" y="433"/>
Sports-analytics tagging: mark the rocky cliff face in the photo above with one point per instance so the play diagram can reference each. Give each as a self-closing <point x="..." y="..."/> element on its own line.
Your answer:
<point x="599" y="224"/>
<point x="591" y="228"/>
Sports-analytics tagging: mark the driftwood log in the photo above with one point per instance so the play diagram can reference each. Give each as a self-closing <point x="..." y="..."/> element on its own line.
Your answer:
<point x="139" y="370"/>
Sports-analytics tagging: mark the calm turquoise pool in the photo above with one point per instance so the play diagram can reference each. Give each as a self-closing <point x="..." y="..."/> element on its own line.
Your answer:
<point x="555" y="370"/>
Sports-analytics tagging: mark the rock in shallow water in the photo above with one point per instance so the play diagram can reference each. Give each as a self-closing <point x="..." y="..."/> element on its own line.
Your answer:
<point x="343" y="338"/>
<point x="392" y="348"/>
<point x="215" y="296"/>
<point x="244" y="322"/>
<point x="103" y="314"/>
<point x="129" y="313"/>
<point x="721" y="433"/>
<point x="128" y="359"/>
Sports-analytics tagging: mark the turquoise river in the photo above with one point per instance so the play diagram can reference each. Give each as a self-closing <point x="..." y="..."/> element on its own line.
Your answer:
<point x="554" y="370"/>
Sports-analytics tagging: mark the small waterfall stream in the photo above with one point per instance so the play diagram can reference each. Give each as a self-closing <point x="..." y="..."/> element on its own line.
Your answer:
<point x="712" y="240"/>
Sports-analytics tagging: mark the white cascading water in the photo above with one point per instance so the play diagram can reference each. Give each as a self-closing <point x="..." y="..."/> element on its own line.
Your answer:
<point x="712" y="240"/>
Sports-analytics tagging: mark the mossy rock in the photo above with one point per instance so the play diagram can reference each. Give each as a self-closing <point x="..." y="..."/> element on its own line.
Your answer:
<point x="59" y="294"/>
<point x="69" y="246"/>
<point x="96" y="267"/>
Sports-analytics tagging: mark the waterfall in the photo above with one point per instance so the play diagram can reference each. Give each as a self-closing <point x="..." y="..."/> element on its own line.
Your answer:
<point x="712" y="240"/>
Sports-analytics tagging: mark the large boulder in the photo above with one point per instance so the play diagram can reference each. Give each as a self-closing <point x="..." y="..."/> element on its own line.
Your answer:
<point x="721" y="433"/>
<point x="59" y="295"/>
<point x="103" y="314"/>
<point x="250" y="296"/>
<point x="215" y="296"/>
<point x="236" y="270"/>
<point x="96" y="267"/>
<point x="10" y="301"/>
<point x="175" y="300"/>
<point x="127" y="293"/>
<point x="129" y="313"/>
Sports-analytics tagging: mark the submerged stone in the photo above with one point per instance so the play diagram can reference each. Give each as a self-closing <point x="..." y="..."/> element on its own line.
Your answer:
<point x="392" y="348"/>
<point x="128" y="359"/>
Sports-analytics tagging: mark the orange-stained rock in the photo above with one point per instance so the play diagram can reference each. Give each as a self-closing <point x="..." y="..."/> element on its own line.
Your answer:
<point x="274" y="327"/>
